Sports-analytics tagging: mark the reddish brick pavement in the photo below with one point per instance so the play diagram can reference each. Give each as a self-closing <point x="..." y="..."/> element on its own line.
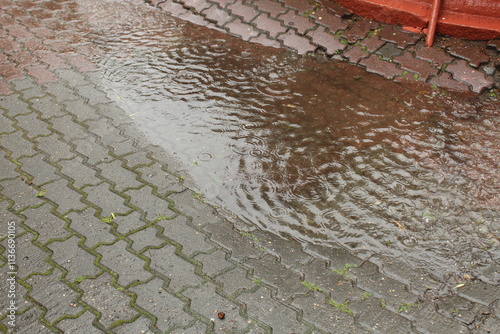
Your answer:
<point x="309" y="26"/>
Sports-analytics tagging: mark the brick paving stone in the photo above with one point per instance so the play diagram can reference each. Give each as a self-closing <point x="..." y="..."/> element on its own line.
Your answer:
<point x="241" y="29"/>
<point x="45" y="224"/>
<point x="273" y="26"/>
<point x="274" y="8"/>
<point x="55" y="148"/>
<point x="466" y="74"/>
<point x="172" y="8"/>
<point x="421" y="67"/>
<point x="437" y="57"/>
<point x="329" y="19"/>
<point x="298" y="43"/>
<point x="93" y="152"/>
<point x="246" y="12"/>
<point x="83" y="111"/>
<point x="10" y="72"/>
<point x="164" y="182"/>
<point x="355" y="54"/>
<point x="262" y="39"/>
<point x="47" y="107"/>
<point x="325" y="39"/>
<point x="21" y="193"/>
<point x="472" y="52"/>
<point x="36" y="126"/>
<point x="179" y="272"/>
<point x="216" y="15"/>
<point x="196" y="5"/>
<point x="388" y="51"/>
<point x="71" y="198"/>
<point x="446" y="81"/>
<point x="33" y="257"/>
<point x="167" y="309"/>
<point x="4" y="88"/>
<point x="17" y="144"/>
<point x="299" y="5"/>
<point x="81" y="174"/>
<point x="106" y="200"/>
<point x="145" y="238"/>
<point x="300" y="23"/>
<point x="214" y="263"/>
<point x="223" y="3"/>
<point x="372" y="43"/>
<point x="359" y="30"/>
<point x="382" y="67"/>
<point x="400" y="37"/>
<point x="193" y="18"/>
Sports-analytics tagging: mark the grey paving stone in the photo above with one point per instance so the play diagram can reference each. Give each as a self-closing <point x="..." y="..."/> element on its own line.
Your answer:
<point x="180" y="272"/>
<point x="117" y="174"/>
<point x="129" y="267"/>
<point x="69" y="129"/>
<point x="369" y="278"/>
<point x="89" y="226"/>
<point x="24" y="83"/>
<point x="167" y="309"/>
<point x="289" y="251"/>
<point x="214" y="263"/>
<point x="17" y="144"/>
<point x="241" y="247"/>
<point x="47" y="107"/>
<point x="82" y="110"/>
<point x="81" y="174"/>
<point x="427" y="319"/>
<point x="13" y="105"/>
<point x="61" y="92"/>
<point x="153" y="206"/>
<point x="235" y="281"/>
<point x="164" y="181"/>
<point x="58" y="299"/>
<point x="54" y="147"/>
<point x="6" y="124"/>
<point x="77" y="261"/>
<point x="145" y="238"/>
<point x="32" y="126"/>
<point x="41" y="171"/>
<point x="71" y="77"/>
<point x="129" y="223"/>
<point x="281" y="318"/>
<point x="34" y="92"/>
<point x="80" y="325"/>
<point x="271" y="272"/>
<point x="191" y="240"/>
<point x="105" y="200"/>
<point x="140" y="325"/>
<point x="28" y="322"/>
<point x="7" y="167"/>
<point x="92" y="151"/>
<point x="326" y="317"/>
<point x="65" y="198"/>
<point x="22" y="194"/>
<point x="113" y="305"/>
<point x="47" y="225"/>
<point x="93" y="95"/>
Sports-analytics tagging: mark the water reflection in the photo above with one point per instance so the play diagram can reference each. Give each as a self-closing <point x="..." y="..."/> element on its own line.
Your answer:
<point x="318" y="150"/>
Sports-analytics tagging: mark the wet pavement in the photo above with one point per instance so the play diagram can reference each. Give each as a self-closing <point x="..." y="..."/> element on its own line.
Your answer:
<point x="162" y="176"/>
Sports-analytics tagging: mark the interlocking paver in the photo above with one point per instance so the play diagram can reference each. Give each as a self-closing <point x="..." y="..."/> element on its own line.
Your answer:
<point x="58" y="299"/>
<point x="280" y="317"/>
<point x="178" y="231"/>
<point x="69" y="325"/>
<point x="47" y="226"/>
<point x="179" y="271"/>
<point x="269" y="24"/>
<point x="246" y="12"/>
<point x="112" y="304"/>
<point x="325" y="39"/>
<point x="78" y="262"/>
<point x="92" y="228"/>
<point x="153" y="206"/>
<point x="167" y="309"/>
<point x="299" y="43"/>
<point x="106" y="200"/>
<point x="464" y="73"/>
<point x="379" y="66"/>
<point x="41" y="171"/>
<point x="241" y="29"/>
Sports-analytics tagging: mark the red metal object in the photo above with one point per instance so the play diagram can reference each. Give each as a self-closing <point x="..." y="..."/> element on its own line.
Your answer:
<point x="470" y="19"/>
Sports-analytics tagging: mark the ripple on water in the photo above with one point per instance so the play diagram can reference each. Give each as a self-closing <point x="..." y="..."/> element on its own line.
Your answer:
<point x="322" y="151"/>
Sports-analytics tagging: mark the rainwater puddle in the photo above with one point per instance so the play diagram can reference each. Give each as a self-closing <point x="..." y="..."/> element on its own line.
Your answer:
<point x="313" y="149"/>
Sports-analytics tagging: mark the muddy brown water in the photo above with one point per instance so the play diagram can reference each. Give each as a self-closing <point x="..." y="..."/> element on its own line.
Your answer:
<point x="317" y="150"/>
